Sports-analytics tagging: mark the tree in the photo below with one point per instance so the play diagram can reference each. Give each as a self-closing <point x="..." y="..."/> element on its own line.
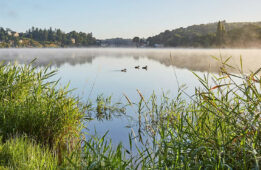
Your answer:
<point x="59" y="35"/>
<point x="220" y="35"/>
<point x="136" y="40"/>
<point x="45" y="35"/>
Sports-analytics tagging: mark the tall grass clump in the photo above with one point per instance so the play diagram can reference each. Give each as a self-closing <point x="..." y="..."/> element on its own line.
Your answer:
<point x="99" y="153"/>
<point x="32" y="105"/>
<point x="218" y="129"/>
<point x="25" y="154"/>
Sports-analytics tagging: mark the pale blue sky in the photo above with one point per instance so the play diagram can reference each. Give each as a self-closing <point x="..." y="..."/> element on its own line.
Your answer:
<point x="123" y="18"/>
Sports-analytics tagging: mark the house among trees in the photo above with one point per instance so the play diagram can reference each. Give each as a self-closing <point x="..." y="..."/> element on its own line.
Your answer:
<point x="36" y="37"/>
<point x="12" y="33"/>
<point x="73" y="40"/>
<point x="140" y="42"/>
<point x="15" y="34"/>
<point x="9" y="33"/>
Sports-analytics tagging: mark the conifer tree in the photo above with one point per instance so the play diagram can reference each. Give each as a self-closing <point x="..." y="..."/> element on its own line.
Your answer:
<point x="220" y="35"/>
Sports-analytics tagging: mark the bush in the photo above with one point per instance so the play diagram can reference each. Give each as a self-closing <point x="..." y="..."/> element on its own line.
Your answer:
<point x="33" y="106"/>
<point x="22" y="153"/>
<point x="218" y="129"/>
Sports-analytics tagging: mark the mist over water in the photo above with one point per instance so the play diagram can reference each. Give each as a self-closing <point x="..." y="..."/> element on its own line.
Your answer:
<point x="95" y="71"/>
<point x="191" y="59"/>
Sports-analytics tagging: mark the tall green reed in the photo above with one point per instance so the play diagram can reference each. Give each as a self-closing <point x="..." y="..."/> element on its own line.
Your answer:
<point x="218" y="129"/>
<point x="32" y="105"/>
<point x="25" y="154"/>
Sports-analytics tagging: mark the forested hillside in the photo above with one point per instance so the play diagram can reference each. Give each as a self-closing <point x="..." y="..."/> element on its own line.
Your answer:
<point x="36" y="37"/>
<point x="212" y="35"/>
<point x="244" y="34"/>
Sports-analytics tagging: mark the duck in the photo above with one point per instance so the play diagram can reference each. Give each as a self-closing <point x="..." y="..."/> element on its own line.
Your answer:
<point x="145" y="67"/>
<point x="137" y="67"/>
<point x="124" y="70"/>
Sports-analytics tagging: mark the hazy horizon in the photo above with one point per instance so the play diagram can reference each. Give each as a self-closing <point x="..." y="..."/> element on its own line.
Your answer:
<point x="125" y="19"/>
<point x="182" y="58"/>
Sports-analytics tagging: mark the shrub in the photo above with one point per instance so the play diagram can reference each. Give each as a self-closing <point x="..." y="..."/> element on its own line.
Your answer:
<point x="33" y="106"/>
<point x="22" y="153"/>
<point x="218" y="129"/>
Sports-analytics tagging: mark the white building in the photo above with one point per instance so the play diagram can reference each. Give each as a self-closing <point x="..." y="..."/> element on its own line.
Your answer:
<point x="15" y="34"/>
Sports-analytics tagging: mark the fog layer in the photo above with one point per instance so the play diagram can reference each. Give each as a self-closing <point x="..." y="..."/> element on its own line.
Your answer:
<point x="192" y="59"/>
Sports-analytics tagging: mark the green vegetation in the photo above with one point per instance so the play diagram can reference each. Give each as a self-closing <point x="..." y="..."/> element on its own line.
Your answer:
<point x="212" y="35"/>
<point x="23" y="153"/>
<point x="36" y="37"/>
<point x="221" y="34"/>
<point x="98" y="153"/>
<point x="218" y="129"/>
<point x="30" y="105"/>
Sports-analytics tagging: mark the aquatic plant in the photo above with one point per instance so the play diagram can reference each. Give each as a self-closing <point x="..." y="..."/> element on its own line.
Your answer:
<point x="32" y="105"/>
<point x="23" y="153"/>
<point x="219" y="128"/>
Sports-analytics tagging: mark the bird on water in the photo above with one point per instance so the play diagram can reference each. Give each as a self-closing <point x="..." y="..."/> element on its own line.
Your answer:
<point x="145" y="67"/>
<point x="124" y="70"/>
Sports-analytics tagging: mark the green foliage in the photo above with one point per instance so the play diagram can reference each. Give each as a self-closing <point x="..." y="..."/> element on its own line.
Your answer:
<point x="45" y="38"/>
<point x="218" y="129"/>
<point x="211" y="35"/>
<point x="249" y="35"/>
<point x="220" y="35"/>
<point x="22" y="153"/>
<point x="136" y="40"/>
<point x="98" y="153"/>
<point x="33" y="106"/>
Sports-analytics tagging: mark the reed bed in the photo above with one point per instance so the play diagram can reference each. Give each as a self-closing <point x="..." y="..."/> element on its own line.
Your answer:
<point x="33" y="106"/>
<point x="219" y="128"/>
<point x="24" y="153"/>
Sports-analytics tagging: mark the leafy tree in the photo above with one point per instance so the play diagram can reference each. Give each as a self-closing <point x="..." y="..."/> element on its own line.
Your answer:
<point x="220" y="35"/>
<point x="136" y="40"/>
<point x="211" y="35"/>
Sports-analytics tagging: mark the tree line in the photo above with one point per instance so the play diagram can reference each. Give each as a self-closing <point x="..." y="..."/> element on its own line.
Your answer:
<point x="46" y="36"/>
<point x="212" y="35"/>
<point x="220" y="34"/>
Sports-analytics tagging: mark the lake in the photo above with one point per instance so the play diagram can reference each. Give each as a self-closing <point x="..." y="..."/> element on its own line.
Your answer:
<point x="97" y="71"/>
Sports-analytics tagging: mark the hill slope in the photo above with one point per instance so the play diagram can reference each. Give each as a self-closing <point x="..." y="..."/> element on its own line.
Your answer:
<point x="241" y="34"/>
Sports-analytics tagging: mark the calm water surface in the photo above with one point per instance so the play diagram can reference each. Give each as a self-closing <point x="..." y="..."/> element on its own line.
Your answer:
<point x="93" y="72"/>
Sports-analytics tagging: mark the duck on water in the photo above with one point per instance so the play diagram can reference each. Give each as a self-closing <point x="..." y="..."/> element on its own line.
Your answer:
<point x="136" y="67"/>
<point x="145" y="67"/>
<point x="124" y="70"/>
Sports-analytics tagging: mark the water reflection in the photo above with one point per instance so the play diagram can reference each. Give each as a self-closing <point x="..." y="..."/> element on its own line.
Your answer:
<point x="97" y="71"/>
<point x="191" y="59"/>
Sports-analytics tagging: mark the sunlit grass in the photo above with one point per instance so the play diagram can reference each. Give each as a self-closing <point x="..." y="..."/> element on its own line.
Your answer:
<point x="219" y="128"/>
<point x="33" y="106"/>
<point x="23" y="153"/>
